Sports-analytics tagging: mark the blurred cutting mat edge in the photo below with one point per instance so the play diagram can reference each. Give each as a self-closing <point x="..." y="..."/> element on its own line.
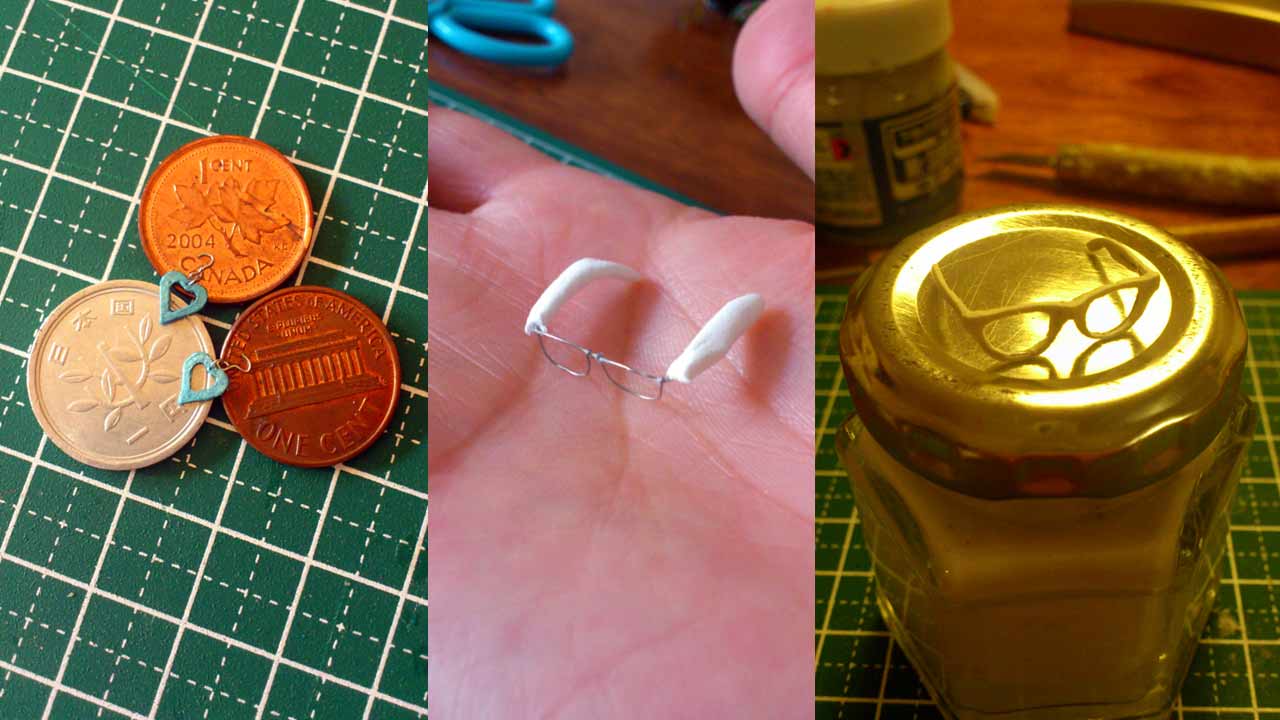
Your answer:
<point x="218" y="583"/>
<point x="860" y="674"/>
<point x="547" y="144"/>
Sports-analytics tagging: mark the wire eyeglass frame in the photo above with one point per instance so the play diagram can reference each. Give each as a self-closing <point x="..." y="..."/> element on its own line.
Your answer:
<point x="658" y="380"/>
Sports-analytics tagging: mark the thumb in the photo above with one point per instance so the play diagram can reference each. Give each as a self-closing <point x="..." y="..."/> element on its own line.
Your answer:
<point x="773" y="73"/>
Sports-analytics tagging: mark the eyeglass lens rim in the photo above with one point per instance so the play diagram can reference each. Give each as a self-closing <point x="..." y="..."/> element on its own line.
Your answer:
<point x="543" y="336"/>
<point x="658" y="381"/>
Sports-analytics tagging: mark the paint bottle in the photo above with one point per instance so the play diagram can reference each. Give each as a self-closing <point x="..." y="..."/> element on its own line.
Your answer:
<point x="888" y="120"/>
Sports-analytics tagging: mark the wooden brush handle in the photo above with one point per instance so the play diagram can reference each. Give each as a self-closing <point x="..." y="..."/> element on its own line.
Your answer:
<point x="1195" y="177"/>
<point x="1234" y="238"/>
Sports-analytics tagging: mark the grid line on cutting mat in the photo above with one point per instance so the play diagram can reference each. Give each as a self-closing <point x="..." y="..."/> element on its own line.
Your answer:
<point x="163" y="592"/>
<point x="862" y="674"/>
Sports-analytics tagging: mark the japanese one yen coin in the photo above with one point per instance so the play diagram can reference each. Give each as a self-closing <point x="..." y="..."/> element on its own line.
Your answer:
<point x="104" y="374"/>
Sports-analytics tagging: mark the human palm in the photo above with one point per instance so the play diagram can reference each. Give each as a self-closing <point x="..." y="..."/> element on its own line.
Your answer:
<point x="597" y="555"/>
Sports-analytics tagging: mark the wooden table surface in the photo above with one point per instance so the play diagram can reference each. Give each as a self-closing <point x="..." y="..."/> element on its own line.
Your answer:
<point x="1057" y="87"/>
<point x="649" y="87"/>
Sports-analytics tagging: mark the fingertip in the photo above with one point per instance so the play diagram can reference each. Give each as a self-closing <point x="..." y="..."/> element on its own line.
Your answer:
<point x="773" y="72"/>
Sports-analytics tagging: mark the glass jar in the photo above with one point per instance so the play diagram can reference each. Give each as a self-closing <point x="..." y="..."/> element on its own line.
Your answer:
<point x="1048" y="438"/>
<point x="887" y="146"/>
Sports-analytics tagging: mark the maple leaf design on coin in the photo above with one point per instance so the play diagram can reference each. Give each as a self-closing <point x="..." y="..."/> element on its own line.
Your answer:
<point x="234" y="212"/>
<point x="113" y="381"/>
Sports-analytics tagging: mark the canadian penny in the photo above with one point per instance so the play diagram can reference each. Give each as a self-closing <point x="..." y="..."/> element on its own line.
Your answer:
<point x="323" y="376"/>
<point x="231" y="200"/>
<point x="103" y="376"/>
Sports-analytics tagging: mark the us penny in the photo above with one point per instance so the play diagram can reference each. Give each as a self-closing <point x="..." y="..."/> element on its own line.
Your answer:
<point x="103" y="376"/>
<point x="231" y="201"/>
<point x="322" y="379"/>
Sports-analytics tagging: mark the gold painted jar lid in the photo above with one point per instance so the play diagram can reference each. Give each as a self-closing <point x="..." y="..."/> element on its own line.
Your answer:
<point x="1043" y="350"/>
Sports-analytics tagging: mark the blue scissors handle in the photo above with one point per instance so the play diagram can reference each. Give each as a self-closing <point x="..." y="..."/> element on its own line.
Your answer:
<point x="463" y="24"/>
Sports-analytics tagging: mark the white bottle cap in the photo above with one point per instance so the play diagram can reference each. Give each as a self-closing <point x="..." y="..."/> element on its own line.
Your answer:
<point x="860" y="36"/>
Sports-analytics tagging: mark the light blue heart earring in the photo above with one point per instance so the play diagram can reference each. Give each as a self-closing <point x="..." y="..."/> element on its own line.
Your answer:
<point x="190" y="283"/>
<point x="217" y="379"/>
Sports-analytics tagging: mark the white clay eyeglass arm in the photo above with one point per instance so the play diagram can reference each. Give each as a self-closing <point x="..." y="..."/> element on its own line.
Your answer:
<point x="715" y="338"/>
<point x="575" y="277"/>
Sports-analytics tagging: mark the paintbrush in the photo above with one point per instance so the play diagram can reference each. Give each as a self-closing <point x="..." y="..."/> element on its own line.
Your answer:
<point x="1183" y="175"/>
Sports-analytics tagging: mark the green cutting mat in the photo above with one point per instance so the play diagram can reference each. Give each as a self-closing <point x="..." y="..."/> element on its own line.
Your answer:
<point x="217" y="584"/>
<point x="1236" y="672"/>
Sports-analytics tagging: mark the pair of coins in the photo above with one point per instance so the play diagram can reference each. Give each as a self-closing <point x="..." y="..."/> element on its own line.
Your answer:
<point x="314" y="375"/>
